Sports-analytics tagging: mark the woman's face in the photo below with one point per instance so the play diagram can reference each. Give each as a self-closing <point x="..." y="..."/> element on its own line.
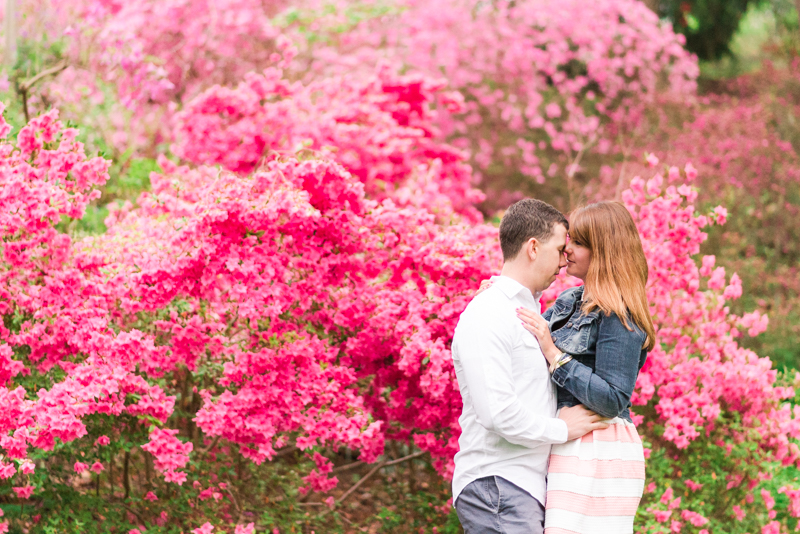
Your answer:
<point x="578" y="259"/>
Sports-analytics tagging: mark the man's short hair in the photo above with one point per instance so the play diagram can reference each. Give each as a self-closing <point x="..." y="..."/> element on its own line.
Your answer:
<point x="526" y="219"/>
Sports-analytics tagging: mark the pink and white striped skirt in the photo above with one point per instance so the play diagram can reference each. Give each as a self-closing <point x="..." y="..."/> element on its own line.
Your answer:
<point x="595" y="483"/>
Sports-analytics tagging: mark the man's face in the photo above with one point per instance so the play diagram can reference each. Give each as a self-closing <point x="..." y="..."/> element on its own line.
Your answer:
<point x="550" y="257"/>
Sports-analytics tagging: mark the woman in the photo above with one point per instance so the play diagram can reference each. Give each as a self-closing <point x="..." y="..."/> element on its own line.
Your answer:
<point x="596" y="338"/>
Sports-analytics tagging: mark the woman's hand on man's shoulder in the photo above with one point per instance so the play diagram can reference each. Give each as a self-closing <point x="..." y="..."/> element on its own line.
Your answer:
<point x="485" y="284"/>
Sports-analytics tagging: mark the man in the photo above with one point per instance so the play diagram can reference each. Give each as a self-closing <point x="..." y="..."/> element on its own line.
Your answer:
<point x="509" y="416"/>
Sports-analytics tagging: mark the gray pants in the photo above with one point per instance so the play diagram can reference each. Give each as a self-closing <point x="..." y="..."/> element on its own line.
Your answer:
<point x="495" y="505"/>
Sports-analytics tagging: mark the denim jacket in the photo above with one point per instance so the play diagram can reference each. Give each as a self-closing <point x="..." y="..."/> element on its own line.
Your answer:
<point x="606" y="356"/>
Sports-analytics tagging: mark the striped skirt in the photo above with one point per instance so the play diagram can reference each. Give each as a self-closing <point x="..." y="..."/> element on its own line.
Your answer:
<point x="595" y="483"/>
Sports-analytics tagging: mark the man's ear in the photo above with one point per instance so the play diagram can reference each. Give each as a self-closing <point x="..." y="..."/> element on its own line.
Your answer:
<point x="532" y="248"/>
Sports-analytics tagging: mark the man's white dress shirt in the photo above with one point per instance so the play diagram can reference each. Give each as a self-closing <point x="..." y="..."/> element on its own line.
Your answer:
<point x="509" y="417"/>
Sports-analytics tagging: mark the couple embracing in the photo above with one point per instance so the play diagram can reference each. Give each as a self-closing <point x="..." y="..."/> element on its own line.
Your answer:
<point x="547" y="441"/>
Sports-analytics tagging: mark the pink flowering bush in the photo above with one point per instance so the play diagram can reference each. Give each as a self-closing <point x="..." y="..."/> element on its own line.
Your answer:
<point x="541" y="80"/>
<point x="265" y="291"/>
<point x="743" y="146"/>
<point x="705" y="400"/>
<point x="280" y="299"/>
<point x="137" y="60"/>
<point x="283" y="307"/>
<point x="379" y="128"/>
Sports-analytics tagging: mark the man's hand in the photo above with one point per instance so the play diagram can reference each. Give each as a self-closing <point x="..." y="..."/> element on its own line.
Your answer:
<point x="580" y="421"/>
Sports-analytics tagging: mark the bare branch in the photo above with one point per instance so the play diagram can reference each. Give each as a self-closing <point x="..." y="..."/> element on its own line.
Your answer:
<point x="347" y="467"/>
<point x="358" y="484"/>
<point x="211" y="445"/>
<point x="354" y="465"/>
<point x="405" y="458"/>
<point x="26" y="85"/>
<point x="375" y="469"/>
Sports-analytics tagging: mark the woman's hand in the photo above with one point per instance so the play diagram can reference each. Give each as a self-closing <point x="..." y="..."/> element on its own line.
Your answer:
<point x="485" y="284"/>
<point x="536" y="325"/>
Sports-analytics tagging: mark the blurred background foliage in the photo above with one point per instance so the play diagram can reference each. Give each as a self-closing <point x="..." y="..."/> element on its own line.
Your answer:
<point x="728" y="29"/>
<point x="749" y="53"/>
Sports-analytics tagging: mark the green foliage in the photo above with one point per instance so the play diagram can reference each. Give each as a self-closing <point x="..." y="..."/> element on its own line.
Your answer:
<point x="132" y="178"/>
<point x="784" y="476"/>
<point x="348" y="18"/>
<point x="708" y="464"/>
<point x="236" y="490"/>
<point x="709" y="25"/>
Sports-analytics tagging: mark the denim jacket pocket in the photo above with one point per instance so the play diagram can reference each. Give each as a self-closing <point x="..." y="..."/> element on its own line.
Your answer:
<point x="560" y="309"/>
<point x="578" y="335"/>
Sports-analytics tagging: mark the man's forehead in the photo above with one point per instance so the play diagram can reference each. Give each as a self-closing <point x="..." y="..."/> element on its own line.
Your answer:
<point x="559" y="237"/>
<point x="560" y="233"/>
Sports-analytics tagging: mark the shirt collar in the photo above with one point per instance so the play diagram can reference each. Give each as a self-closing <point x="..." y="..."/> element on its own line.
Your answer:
<point x="512" y="288"/>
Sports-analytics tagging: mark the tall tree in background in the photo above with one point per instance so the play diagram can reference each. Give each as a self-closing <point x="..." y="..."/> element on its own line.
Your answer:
<point x="708" y="25"/>
<point x="9" y="29"/>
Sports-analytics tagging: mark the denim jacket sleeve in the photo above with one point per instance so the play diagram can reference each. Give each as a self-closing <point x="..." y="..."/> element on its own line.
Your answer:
<point x="607" y="390"/>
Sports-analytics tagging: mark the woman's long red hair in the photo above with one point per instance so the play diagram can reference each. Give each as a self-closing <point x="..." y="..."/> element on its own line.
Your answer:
<point x="617" y="277"/>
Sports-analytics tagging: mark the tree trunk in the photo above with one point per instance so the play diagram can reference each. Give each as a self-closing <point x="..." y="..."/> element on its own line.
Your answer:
<point x="125" y="475"/>
<point x="653" y="5"/>
<point x="111" y="475"/>
<point x="10" y="31"/>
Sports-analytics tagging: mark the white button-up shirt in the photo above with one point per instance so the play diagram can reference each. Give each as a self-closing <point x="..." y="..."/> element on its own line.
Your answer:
<point x="509" y="419"/>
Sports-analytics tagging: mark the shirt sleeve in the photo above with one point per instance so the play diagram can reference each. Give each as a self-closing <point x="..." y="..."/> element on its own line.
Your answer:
<point x="485" y="352"/>
<point x="608" y="389"/>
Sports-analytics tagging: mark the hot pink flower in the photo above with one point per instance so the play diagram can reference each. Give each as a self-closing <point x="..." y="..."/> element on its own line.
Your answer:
<point x="7" y="470"/>
<point x="694" y="518"/>
<point x="170" y="453"/>
<point x="738" y="512"/>
<point x="692" y="485"/>
<point x="23" y="492"/>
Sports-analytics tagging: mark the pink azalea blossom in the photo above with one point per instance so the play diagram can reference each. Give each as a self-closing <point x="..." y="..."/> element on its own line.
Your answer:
<point x="206" y="528"/>
<point x="694" y="518"/>
<point x="692" y="485"/>
<point x="23" y="492"/>
<point x="27" y="467"/>
<point x="245" y="529"/>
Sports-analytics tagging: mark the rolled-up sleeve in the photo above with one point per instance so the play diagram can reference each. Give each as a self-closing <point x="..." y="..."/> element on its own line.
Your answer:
<point x="608" y="389"/>
<point x="485" y="352"/>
